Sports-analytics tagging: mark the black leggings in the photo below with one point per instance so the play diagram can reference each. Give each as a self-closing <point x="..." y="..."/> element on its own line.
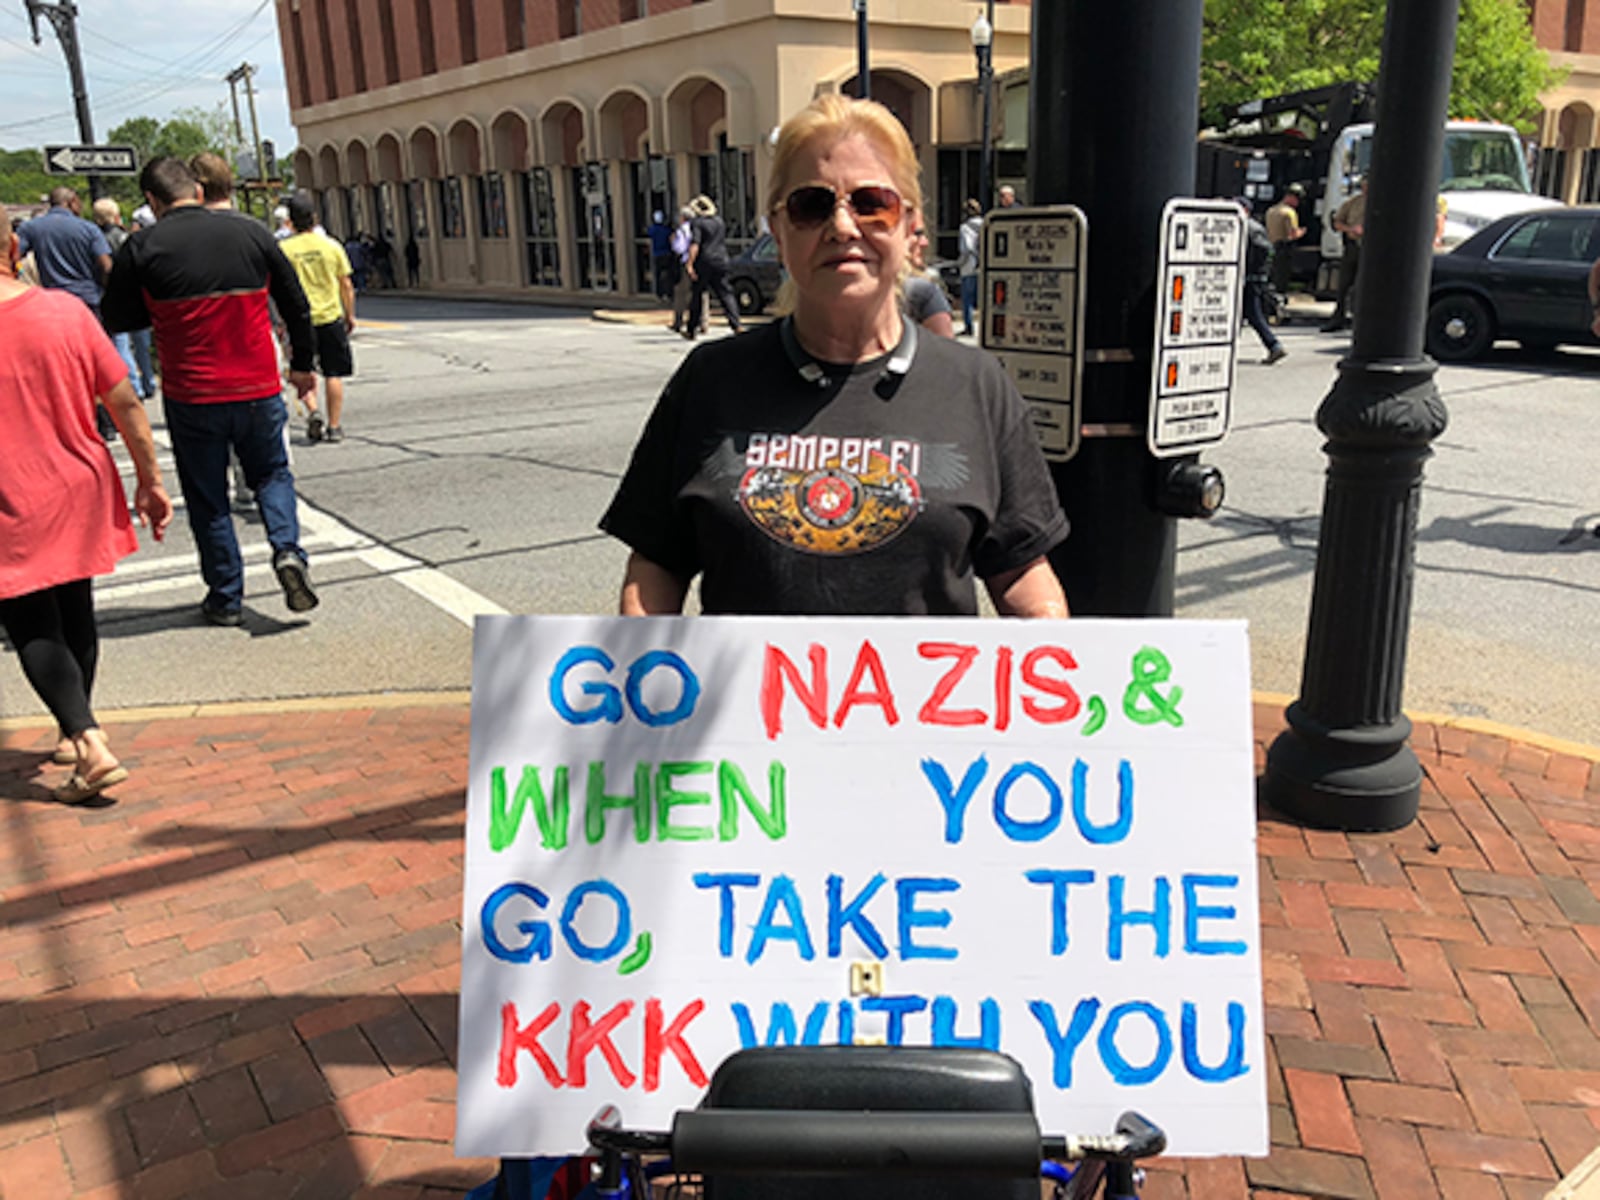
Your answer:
<point x="54" y="635"/>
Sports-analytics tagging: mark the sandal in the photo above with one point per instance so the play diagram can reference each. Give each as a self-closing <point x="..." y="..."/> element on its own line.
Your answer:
<point x="79" y="788"/>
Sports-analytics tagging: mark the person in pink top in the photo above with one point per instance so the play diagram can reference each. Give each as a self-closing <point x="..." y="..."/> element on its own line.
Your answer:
<point x="63" y="514"/>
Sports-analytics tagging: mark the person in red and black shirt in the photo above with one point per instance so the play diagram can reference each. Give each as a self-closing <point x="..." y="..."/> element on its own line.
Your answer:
<point x="202" y="280"/>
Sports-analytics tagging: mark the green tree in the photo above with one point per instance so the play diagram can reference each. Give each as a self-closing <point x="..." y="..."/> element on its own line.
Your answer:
<point x="1256" y="48"/>
<point x="23" y="179"/>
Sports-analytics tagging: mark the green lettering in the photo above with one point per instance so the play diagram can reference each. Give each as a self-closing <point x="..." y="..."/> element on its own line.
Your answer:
<point x="733" y="787"/>
<point x="552" y="818"/>
<point x="668" y="798"/>
<point x="597" y="803"/>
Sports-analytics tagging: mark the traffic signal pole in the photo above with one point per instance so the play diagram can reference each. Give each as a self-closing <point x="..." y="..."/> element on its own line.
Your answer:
<point x="1345" y="761"/>
<point x="1113" y="110"/>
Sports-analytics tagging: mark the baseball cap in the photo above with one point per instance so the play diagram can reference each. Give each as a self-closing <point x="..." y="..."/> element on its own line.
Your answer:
<point x="144" y="215"/>
<point x="1296" y="189"/>
<point x="301" y="211"/>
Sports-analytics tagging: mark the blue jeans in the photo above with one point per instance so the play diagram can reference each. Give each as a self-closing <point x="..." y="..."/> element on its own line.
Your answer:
<point x="969" y="298"/>
<point x="124" y="346"/>
<point x="201" y="435"/>
<point x="140" y="340"/>
<point x="1255" y="317"/>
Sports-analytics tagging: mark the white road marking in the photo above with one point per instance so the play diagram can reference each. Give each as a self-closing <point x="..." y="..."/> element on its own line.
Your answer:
<point x="317" y="529"/>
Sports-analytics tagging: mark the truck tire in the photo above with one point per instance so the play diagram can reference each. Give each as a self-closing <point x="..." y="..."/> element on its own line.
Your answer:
<point x="1460" y="327"/>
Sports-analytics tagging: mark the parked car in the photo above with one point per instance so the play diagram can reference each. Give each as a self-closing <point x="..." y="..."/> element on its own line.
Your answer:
<point x="1523" y="277"/>
<point x="756" y="275"/>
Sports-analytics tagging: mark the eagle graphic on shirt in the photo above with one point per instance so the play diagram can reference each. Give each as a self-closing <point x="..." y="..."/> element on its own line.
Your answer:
<point x="826" y="494"/>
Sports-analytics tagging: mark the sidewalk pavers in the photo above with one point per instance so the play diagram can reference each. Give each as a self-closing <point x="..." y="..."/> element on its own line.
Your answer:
<point x="240" y="979"/>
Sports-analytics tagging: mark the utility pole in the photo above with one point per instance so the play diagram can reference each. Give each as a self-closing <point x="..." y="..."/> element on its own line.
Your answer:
<point x="863" y="74"/>
<point x="1119" y="163"/>
<point x="1345" y="761"/>
<point x="246" y="72"/>
<point x="63" y="19"/>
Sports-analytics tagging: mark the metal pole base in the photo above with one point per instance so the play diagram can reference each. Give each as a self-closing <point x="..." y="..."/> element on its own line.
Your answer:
<point x="1362" y="780"/>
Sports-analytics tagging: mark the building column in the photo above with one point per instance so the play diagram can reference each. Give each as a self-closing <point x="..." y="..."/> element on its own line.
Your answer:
<point x="566" y="237"/>
<point x="434" y="256"/>
<point x="516" y="225"/>
<point x="622" y="227"/>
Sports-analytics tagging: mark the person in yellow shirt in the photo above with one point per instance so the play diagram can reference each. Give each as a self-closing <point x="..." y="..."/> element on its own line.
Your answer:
<point x="324" y="271"/>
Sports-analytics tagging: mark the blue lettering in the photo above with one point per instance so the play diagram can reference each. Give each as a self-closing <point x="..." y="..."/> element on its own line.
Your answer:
<point x="725" y="883"/>
<point x="898" y="1008"/>
<point x="537" y="932"/>
<point x="913" y="918"/>
<point x="1158" y="918"/>
<point x="1122" y="1071"/>
<point x="1194" y="912"/>
<point x="1027" y="831"/>
<point x="1059" y="882"/>
<point x="1064" y="1043"/>
<point x="781" y="894"/>
<point x="841" y="914"/>
<point x="1233" y="1065"/>
<point x="686" y="698"/>
<point x="569" y="918"/>
<point x="610" y="707"/>
<point x="780" y="1025"/>
<point x="944" y="1025"/>
<point x="1102" y="835"/>
<point x="954" y="799"/>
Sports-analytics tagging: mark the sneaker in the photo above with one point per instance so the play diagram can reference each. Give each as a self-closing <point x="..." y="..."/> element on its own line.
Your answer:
<point x="315" y="426"/>
<point x="228" y="617"/>
<point x="290" y="569"/>
<point x="335" y="433"/>
<point x="1276" y="355"/>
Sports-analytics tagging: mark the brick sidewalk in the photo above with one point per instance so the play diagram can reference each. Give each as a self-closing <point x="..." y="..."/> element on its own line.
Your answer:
<point x="240" y="980"/>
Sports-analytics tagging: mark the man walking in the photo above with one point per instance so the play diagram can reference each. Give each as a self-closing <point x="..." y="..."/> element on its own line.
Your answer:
<point x="1284" y="230"/>
<point x="1351" y="221"/>
<point x="1258" y="249"/>
<point x="207" y="277"/>
<point x="326" y="275"/>
<point x="108" y="216"/>
<point x="73" y="255"/>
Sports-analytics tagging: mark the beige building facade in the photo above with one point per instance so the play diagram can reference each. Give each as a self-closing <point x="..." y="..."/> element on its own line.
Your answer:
<point x="538" y="168"/>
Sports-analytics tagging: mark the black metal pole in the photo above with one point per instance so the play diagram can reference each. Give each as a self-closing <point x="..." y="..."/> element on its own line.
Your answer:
<point x="986" y="86"/>
<point x="1344" y="762"/>
<point x="863" y="73"/>
<point x="1114" y="103"/>
<point x="63" y="19"/>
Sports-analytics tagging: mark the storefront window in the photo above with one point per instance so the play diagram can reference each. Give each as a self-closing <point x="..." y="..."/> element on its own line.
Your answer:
<point x="652" y="190"/>
<point x="452" y="215"/>
<point x="492" y="205"/>
<point x="417" y="205"/>
<point x="591" y="206"/>
<point x="544" y="246"/>
<point x="729" y="178"/>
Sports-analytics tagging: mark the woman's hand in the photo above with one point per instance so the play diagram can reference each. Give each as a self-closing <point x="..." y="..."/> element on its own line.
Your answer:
<point x="1030" y="591"/>
<point x="154" y="506"/>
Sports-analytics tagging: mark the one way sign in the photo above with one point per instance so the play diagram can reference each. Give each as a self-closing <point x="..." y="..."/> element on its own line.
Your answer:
<point x="90" y="160"/>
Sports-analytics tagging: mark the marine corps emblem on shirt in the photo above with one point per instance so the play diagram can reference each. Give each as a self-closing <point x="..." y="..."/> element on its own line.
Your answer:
<point x="831" y="495"/>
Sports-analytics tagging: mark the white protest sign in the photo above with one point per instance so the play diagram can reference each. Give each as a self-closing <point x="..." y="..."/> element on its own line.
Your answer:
<point x="683" y="833"/>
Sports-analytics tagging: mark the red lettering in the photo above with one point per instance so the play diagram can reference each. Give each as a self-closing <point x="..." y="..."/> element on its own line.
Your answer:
<point x="1002" y="689"/>
<point x="657" y="1039"/>
<point x="932" y="713"/>
<point x="775" y="670"/>
<point x="867" y="663"/>
<point x="585" y="1037"/>
<point x="1060" y="688"/>
<point x="513" y="1039"/>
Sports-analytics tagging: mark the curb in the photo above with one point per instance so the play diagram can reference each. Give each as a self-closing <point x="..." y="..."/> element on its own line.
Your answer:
<point x="237" y="708"/>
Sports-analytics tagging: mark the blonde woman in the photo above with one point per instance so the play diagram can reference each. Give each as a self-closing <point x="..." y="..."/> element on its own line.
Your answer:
<point x="837" y="461"/>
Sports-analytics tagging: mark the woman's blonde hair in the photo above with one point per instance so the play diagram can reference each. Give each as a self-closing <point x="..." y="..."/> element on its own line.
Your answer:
<point x="831" y="118"/>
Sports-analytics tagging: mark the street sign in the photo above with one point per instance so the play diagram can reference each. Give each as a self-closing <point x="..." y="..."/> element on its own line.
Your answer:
<point x="90" y="160"/>
<point x="1201" y="275"/>
<point x="1032" y="300"/>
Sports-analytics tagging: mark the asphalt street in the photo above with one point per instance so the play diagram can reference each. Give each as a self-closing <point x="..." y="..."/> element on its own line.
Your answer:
<point x="484" y="440"/>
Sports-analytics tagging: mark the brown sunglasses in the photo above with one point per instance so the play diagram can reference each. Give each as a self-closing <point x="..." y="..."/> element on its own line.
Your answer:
<point x="813" y="205"/>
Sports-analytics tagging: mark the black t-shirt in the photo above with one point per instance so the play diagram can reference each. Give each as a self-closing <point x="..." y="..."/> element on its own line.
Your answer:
<point x="856" y="491"/>
<point x="710" y="234"/>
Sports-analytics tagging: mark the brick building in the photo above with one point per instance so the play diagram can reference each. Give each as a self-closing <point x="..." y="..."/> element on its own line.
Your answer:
<point x="1569" y="160"/>
<point x="525" y="143"/>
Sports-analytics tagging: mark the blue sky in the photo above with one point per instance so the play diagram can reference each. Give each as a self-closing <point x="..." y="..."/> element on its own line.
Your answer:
<point x="140" y="58"/>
